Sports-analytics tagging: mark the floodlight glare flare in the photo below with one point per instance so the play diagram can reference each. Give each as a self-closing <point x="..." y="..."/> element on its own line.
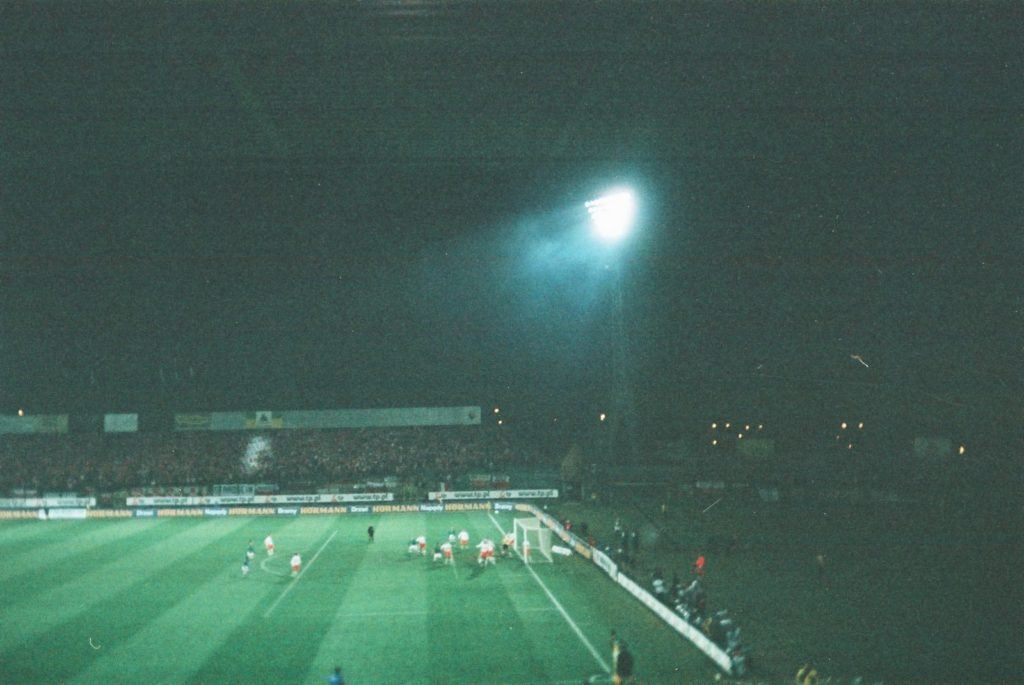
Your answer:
<point x="612" y="215"/>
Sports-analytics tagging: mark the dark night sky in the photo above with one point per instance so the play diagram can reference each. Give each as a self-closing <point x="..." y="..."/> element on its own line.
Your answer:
<point x="309" y="205"/>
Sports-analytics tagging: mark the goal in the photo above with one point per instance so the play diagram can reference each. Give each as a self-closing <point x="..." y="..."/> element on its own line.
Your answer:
<point x="537" y="534"/>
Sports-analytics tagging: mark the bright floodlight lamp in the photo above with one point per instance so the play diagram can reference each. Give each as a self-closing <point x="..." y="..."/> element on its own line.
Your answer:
<point x="612" y="215"/>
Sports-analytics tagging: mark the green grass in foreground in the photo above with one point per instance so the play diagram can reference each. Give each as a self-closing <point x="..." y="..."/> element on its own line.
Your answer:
<point x="165" y="602"/>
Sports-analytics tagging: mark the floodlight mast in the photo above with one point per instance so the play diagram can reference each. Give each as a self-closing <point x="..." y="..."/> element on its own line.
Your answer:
<point x="612" y="217"/>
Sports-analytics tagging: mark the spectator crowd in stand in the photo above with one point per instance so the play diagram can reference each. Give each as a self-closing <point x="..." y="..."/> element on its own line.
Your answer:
<point x="290" y="458"/>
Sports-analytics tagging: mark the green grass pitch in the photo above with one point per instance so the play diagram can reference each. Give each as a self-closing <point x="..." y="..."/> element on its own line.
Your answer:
<point x="164" y="601"/>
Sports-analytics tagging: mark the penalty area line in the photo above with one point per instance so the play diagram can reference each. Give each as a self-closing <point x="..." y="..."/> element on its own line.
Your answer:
<point x="568" y="619"/>
<point x="297" y="578"/>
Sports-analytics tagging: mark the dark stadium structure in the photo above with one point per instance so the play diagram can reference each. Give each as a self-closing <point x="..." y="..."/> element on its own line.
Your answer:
<point x="705" y="318"/>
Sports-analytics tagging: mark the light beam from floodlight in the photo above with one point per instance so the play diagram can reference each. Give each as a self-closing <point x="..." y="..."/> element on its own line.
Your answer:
<point x="612" y="215"/>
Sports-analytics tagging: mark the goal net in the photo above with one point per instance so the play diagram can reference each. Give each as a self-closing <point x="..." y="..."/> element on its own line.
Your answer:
<point x="534" y="536"/>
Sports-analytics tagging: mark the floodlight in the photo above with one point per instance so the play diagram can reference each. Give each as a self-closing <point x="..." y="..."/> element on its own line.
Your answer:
<point x="612" y="215"/>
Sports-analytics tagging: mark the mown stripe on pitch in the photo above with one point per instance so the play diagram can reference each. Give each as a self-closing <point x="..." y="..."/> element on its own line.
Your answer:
<point x="378" y="650"/>
<point x="18" y="536"/>
<point x="122" y="612"/>
<point x="80" y="594"/>
<point x="492" y="628"/>
<point x="546" y="636"/>
<point x="172" y="645"/>
<point x="45" y="536"/>
<point x="42" y="568"/>
<point x="281" y="647"/>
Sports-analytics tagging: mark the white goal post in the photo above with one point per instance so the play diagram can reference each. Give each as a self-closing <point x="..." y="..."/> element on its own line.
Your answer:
<point x="538" y="536"/>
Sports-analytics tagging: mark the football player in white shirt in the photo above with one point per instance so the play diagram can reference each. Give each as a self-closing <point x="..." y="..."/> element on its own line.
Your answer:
<point x="446" y="550"/>
<point x="482" y="556"/>
<point x="486" y="556"/>
<point x="268" y="542"/>
<point x="463" y="539"/>
<point x="296" y="564"/>
<point x="421" y="542"/>
<point x="526" y="550"/>
<point x="490" y="552"/>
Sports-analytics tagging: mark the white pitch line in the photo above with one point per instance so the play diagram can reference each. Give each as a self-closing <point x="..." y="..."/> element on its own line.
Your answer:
<point x="298" y="577"/>
<point x="558" y="605"/>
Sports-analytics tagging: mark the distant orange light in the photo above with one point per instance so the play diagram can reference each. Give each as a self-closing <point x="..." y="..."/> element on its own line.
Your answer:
<point x="714" y="426"/>
<point x="727" y="424"/>
<point x="860" y="425"/>
<point x="500" y="422"/>
<point x="843" y="425"/>
<point x="746" y="427"/>
<point x="603" y="416"/>
<point x="714" y="442"/>
<point x="962" y="450"/>
<point x="849" y="445"/>
<point x="21" y="412"/>
<point x="740" y="436"/>
<point x="497" y="410"/>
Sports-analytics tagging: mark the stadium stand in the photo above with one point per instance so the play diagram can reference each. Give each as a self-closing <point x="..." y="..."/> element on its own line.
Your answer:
<point x="291" y="459"/>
